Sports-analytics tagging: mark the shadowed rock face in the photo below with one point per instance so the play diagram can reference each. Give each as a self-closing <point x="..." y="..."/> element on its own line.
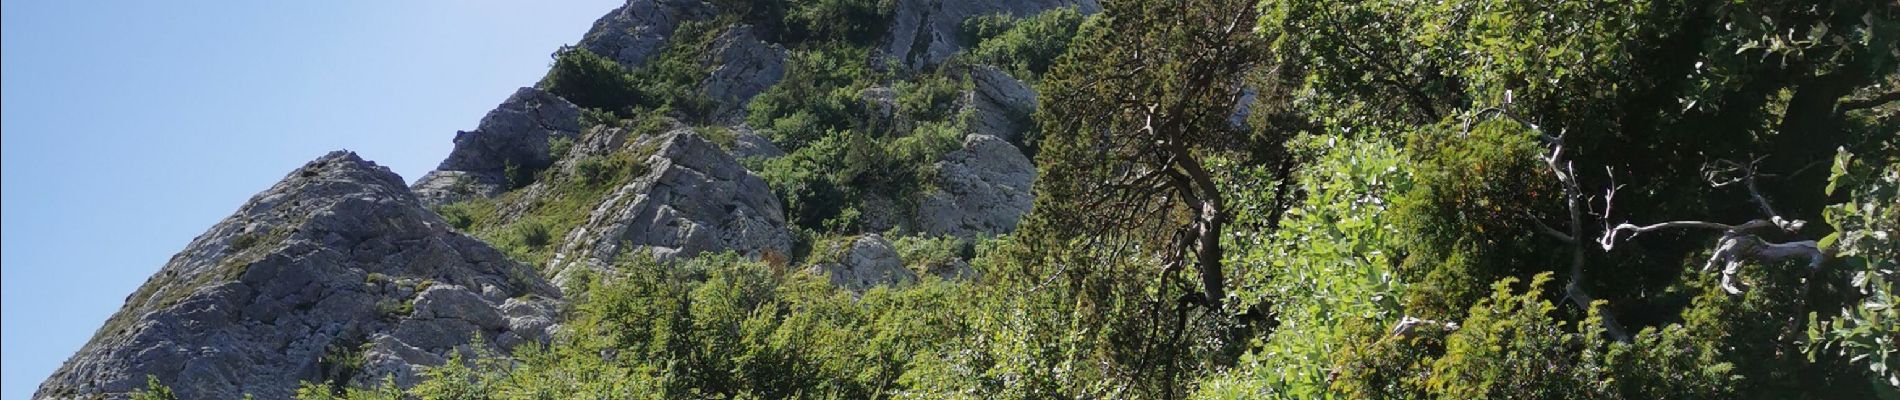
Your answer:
<point x="338" y="260"/>
<point x="515" y="135"/>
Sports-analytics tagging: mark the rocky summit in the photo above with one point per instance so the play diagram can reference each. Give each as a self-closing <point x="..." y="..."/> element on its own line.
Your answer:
<point x="335" y="273"/>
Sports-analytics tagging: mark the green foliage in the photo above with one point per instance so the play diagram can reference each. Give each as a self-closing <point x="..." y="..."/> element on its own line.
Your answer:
<point x="840" y="150"/>
<point x="387" y="390"/>
<point x="339" y="365"/>
<point x="854" y="21"/>
<point x="1327" y="273"/>
<point x="154" y="390"/>
<point x="592" y="81"/>
<point x="928" y="97"/>
<point x="821" y="93"/>
<point x="719" y="327"/>
<point x="798" y="21"/>
<point x="1865" y="237"/>
<point x="670" y="81"/>
<point x="1367" y="194"/>
<point x="1460" y="215"/>
<point x="1026" y="47"/>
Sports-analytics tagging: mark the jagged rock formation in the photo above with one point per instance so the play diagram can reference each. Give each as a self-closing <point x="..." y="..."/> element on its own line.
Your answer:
<point x="694" y="198"/>
<point x="515" y="136"/>
<point x="636" y="32"/>
<point x="336" y="255"/>
<point x="982" y="189"/>
<point x="924" y="33"/>
<point x="1002" y="105"/>
<point x="742" y="67"/>
<point x="867" y="263"/>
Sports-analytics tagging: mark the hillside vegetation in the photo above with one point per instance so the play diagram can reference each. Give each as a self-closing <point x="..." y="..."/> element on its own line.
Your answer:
<point x="1457" y="199"/>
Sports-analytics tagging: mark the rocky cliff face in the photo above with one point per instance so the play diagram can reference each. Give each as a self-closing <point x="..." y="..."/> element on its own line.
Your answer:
<point x="337" y="272"/>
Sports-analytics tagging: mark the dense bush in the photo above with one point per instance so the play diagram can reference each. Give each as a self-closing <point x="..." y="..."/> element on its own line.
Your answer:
<point x="592" y="81"/>
<point x="1459" y="213"/>
<point x="797" y="21"/>
<point x="842" y="145"/>
<point x="821" y="93"/>
<point x="669" y="81"/>
<point x="1026" y="47"/>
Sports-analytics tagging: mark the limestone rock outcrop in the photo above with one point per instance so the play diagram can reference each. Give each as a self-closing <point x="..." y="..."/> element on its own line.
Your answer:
<point x="1001" y="104"/>
<point x="983" y="188"/>
<point x="337" y="261"/>
<point x="867" y="262"/>
<point x="742" y="67"/>
<point x="694" y="198"/>
<point x="515" y="137"/>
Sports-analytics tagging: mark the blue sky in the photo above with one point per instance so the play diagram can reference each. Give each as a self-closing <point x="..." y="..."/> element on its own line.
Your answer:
<point x="130" y="127"/>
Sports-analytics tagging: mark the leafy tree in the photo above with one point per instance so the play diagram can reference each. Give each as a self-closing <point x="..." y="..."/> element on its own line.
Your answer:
<point x="1136" y="110"/>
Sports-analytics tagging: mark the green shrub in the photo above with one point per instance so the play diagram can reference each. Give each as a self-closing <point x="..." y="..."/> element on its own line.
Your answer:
<point x="154" y="390"/>
<point x="819" y="94"/>
<point x="813" y="21"/>
<point x="853" y="21"/>
<point x="669" y="81"/>
<point x="928" y="97"/>
<point x="1467" y="214"/>
<point x="592" y="81"/>
<point x="1025" y="47"/>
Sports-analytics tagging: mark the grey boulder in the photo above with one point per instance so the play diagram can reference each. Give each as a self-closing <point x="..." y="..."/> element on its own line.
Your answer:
<point x="1001" y="105"/>
<point x="868" y="262"/>
<point x="983" y="188"/>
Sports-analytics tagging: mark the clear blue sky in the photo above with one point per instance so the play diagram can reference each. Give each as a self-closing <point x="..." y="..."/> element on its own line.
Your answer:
<point x="130" y="127"/>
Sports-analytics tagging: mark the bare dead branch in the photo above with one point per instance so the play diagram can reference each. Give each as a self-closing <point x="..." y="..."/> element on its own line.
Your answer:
<point x="1547" y="230"/>
<point x="1408" y="324"/>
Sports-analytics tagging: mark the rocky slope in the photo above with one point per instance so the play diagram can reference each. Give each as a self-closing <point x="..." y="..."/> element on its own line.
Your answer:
<point x="335" y="272"/>
<point x="342" y="273"/>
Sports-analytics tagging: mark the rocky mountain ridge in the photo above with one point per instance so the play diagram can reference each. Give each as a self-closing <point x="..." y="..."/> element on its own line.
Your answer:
<point x="343" y="273"/>
<point x="337" y="261"/>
